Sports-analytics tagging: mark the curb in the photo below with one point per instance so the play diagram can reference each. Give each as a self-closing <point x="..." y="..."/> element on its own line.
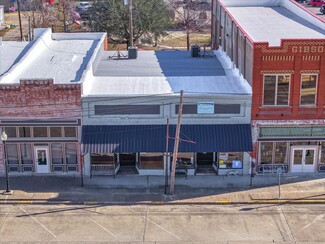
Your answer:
<point x="217" y="202"/>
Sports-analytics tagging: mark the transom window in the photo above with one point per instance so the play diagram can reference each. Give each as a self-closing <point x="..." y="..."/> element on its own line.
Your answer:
<point x="273" y="152"/>
<point x="44" y="131"/>
<point x="308" y="89"/>
<point x="276" y="90"/>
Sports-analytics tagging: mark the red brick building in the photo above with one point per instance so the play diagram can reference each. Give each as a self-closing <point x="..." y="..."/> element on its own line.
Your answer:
<point x="279" y="47"/>
<point x="42" y="121"/>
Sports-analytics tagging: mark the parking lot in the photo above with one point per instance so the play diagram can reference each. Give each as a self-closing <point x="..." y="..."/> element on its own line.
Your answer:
<point x="163" y="224"/>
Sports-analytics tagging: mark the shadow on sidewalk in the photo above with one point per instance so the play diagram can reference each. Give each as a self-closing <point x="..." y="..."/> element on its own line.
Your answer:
<point x="68" y="189"/>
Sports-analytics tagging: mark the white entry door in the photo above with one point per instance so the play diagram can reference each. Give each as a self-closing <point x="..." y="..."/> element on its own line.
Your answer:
<point x="303" y="159"/>
<point x="41" y="159"/>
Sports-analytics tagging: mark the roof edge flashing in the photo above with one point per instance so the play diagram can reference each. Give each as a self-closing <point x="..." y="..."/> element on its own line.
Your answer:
<point x="250" y="3"/>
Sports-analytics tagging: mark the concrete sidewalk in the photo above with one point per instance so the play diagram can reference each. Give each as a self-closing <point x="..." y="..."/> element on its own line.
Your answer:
<point x="135" y="189"/>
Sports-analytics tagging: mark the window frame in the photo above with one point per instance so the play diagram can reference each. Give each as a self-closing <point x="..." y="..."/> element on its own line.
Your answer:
<point x="276" y="90"/>
<point x="316" y="90"/>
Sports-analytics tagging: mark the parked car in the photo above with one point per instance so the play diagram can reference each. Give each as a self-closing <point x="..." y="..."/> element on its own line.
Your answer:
<point x="317" y="3"/>
<point x="322" y="9"/>
<point x="82" y="6"/>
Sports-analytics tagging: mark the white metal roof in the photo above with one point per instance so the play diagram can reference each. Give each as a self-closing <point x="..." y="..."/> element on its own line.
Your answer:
<point x="271" y="24"/>
<point x="61" y="57"/>
<point x="164" y="72"/>
<point x="10" y="52"/>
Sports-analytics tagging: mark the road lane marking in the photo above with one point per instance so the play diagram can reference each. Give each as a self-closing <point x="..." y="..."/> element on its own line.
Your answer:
<point x="102" y="227"/>
<point x="286" y="225"/>
<point x="317" y="218"/>
<point x="159" y="226"/>
<point x="38" y="222"/>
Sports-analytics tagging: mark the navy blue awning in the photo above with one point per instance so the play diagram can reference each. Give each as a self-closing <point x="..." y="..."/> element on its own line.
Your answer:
<point x="152" y="138"/>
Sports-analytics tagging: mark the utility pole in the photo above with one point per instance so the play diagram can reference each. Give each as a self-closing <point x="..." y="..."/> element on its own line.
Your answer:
<point x="178" y="130"/>
<point x="131" y="23"/>
<point x="166" y="165"/>
<point x="19" y="17"/>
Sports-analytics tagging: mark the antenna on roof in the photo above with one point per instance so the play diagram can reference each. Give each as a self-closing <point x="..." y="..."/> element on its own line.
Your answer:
<point x="118" y="54"/>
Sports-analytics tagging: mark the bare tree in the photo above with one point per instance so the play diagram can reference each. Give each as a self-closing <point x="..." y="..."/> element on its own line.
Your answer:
<point x="44" y="15"/>
<point x="191" y="16"/>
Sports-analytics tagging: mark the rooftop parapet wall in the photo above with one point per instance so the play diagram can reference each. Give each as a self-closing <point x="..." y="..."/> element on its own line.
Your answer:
<point x="246" y="3"/>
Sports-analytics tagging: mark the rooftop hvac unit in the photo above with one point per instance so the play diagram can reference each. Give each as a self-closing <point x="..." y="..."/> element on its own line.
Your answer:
<point x="195" y="50"/>
<point x="132" y="53"/>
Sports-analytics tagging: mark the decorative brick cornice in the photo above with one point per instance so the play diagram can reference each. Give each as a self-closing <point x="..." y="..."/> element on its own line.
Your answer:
<point x="284" y="47"/>
<point x="277" y="58"/>
<point x="277" y="72"/>
<point x="311" y="58"/>
<point x="309" y="71"/>
<point x="36" y="82"/>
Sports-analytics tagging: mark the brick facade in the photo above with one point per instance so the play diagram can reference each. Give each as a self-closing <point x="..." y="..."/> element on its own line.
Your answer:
<point x="293" y="57"/>
<point x="38" y="99"/>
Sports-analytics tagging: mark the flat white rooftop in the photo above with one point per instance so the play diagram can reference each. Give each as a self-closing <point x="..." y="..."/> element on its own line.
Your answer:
<point x="164" y="72"/>
<point x="273" y="23"/>
<point x="60" y="56"/>
<point x="10" y="53"/>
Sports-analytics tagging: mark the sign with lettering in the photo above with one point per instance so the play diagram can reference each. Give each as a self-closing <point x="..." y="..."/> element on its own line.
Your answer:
<point x="308" y="49"/>
<point x="205" y="108"/>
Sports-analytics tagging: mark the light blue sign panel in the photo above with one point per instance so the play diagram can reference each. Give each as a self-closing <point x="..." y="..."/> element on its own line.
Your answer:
<point x="205" y="108"/>
<point x="236" y="164"/>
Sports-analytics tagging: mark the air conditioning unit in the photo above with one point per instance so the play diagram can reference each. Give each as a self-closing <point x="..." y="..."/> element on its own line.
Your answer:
<point x="132" y="53"/>
<point x="195" y="51"/>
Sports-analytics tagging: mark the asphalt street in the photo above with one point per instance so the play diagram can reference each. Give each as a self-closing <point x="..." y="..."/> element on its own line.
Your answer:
<point x="163" y="224"/>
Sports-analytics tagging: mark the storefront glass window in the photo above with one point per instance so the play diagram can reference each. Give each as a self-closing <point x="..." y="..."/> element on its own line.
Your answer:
<point x="26" y="153"/>
<point x="70" y="132"/>
<point x="55" y="132"/>
<point x="12" y="154"/>
<point x="24" y="131"/>
<point x="151" y="161"/>
<point x="304" y="143"/>
<point x="308" y="89"/>
<point x="280" y="153"/>
<point x="266" y="152"/>
<point x="230" y="160"/>
<point x="71" y="153"/>
<point x="40" y="131"/>
<point x="57" y="153"/>
<point x="102" y="159"/>
<point x="10" y="131"/>
<point x="322" y="159"/>
<point x="184" y="160"/>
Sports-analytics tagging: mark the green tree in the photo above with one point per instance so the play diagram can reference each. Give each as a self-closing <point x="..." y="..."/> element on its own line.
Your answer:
<point x="150" y="17"/>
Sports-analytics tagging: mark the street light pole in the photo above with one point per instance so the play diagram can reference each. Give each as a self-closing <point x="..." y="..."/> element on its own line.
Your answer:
<point x="4" y="139"/>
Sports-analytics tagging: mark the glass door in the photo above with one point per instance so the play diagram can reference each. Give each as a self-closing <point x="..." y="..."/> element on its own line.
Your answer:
<point x="41" y="159"/>
<point x="303" y="159"/>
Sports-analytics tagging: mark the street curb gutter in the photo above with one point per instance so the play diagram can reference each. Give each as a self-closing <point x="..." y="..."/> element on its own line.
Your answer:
<point x="218" y="202"/>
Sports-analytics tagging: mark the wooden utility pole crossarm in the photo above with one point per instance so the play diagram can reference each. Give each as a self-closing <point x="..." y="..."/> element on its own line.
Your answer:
<point x="178" y="129"/>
